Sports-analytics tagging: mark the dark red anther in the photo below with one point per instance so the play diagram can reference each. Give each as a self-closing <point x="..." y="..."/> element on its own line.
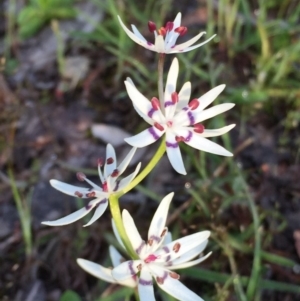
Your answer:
<point x="199" y="128"/>
<point x="158" y="126"/>
<point x="115" y="173"/>
<point x="160" y="280"/>
<point x="91" y="194"/>
<point x="169" y="26"/>
<point x="181" y="30"/>
<point x="174" y="97"/>
<point x="150" y="242"/>
<point x="176" y="247"/>
<point x="151" y="26"/>
<point x="162" y="31"/>
<point x="109" y="160"/>
<point x="179" y="139"/>
<point x="155" y="103"/>
<point x="80" y="176"/>
<point x="150" y="258"/>
<point x="194" y="104"/>
<point x="104" y="187"/>
<point x="139" y="267"/>
<point x="163" y="232"/>
<point x="174" y="275"/>
<point x="100" y="162"/>
<point x="79" y="194"/>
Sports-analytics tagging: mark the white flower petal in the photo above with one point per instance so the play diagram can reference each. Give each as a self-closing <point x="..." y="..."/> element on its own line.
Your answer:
<point x="131" y="35"/>
<point x="145" y="137"/>
<point x="184" y="96"/>
<point x="206" y="145"/>
<point x="96" y="270"/>
<point x="132" y="232"/>
<point x="186" y="49"/>
<point x="159" y="44"/>
<point x="73" y="217"/>
<point x="170" y="88"/>
<point x="168" y="238"/>
<point x="179" y="291"/>
<point x="139" y="100"/>
<point x="69" y="189"/>
<point x="189" y="263"/>
<point x="138" y="34"/>
<point x="101" y="207"/>
<point x="188" y="43"/>
<point x="206" y="99"/>
<point x="159" y="219"/>
<point x="123" y="165"/>
<point x="117" y="235"/>
<point x="115" y="256"/>
<point x="177" y="21"/>
<point x="110" y="167"/>
<point x="217" y="132"/>
<point x="145" y="286"/>
<point x="174" y="154"/>
<point x="211" y="112"/>
<point x="127" y="180"/>
<point x="126" y="270"/>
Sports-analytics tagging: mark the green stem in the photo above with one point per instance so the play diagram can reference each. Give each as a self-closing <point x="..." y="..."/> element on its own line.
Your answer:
<point x="160" y="80"/>
<point x="159" y="153"/>
<point x="116" y="214"/>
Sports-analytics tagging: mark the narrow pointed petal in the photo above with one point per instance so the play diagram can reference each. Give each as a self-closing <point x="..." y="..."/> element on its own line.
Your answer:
<point x="170" y="88"/>
<point x="138" y="34"/>
<point x="132" y="232"/>
<point x="101" y="207"/>
<point x="96" y="270"/>
<point x="109" y="167"/>
<point x="192" y="47"/>
<point x="159" y="219"/>
<point x="190" y="263"/>
<point x="126" y="270"/>
<point x="159" y="44"/>
<point x="177" y="20"/>
<point x="69" y="189"/>
<point x="131" y="35"/>
<point x="118" y="237"/>
<point x="214" y="111"/>
<point x="174" y="154"/>
<point x="184" y="96"/>
<point x="73" y="217"/>
<point x="182" y="245"/>
<point x="145" y="137"/>
<point x="145" y="286"/>
<point x="123" y="165"/>
<point x="115" y="256"/>
<point x="191" y="254"/>
<point x="188" y="43"/>
<point x="217" y="132"/>
<point x="206" y="99"/>
<point x="127" y="180"/>
<point x="206" y="145"/>
<point x="179" y="291"/>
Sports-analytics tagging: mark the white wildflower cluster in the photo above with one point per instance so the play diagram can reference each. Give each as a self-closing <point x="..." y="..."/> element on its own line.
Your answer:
<point x="180" y="119"/>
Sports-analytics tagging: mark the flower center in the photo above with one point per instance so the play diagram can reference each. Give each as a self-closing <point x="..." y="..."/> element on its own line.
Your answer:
<point x="150" y="258"/>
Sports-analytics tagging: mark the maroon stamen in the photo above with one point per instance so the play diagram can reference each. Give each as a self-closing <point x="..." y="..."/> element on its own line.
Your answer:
<point x="169" y="26"/>
<point x="174" y="97"/>
<point x="163" y="232"/>
<point x="139" y="267"/>
<point x="179" y="138"/>
<point x="155" y="103"/>
<point x="79" y="194"/>
<point x="181" y="30"/>
<point x="194" y="104"/>
<point x="199" y="128"/>
<point x="158" y="126"/>
<point x="162" y="31"/>
<point x="115" y="173"/>
<point x="151" y="26"/>
<point x="150" y="242"/>
<point x="160" y="280"/>
<point x="100" y="162"/>
<point x="80" y="176"/>
<point x="176" y="247"/>
<point x="174" y="275"/>
<point x="91" y="194"/>
<point x="109" y="160"/>
<point x="104" y="187"/>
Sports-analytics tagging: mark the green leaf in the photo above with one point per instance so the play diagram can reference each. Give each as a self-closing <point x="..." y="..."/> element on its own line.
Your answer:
<point x="70" y="296"/>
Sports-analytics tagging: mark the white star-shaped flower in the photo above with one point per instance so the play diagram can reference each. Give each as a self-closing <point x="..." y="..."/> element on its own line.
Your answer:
<point x="109" y="185"/>
<point x="178" y="118"/>
<point x="159" y="256"/>
<point x="165" y="37"/>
